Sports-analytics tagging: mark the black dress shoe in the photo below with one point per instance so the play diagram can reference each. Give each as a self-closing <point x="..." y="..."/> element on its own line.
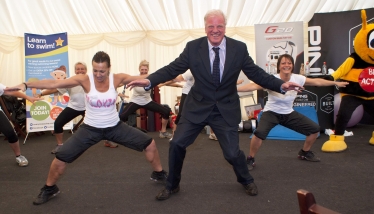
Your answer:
<point x="165" y="193"/>
<point x="251" y="189"/>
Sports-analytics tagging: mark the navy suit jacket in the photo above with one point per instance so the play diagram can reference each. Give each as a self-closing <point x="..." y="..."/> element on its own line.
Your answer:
<point x="204" y="94"/>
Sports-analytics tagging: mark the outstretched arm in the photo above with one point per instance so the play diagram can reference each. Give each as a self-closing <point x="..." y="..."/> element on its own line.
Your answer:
<point x="50" y="83"/>
<point x="249" y="87"/>
<point x="125" y="79"/>
<point x="291" y="86"/>
<point x="48" y="92"/>
<point x="123" y="95"/>
<point x="173" y="82"/>
<point x="21" y="95"/>
<point x="138" y="83"/>
<point x="323" y="82"/>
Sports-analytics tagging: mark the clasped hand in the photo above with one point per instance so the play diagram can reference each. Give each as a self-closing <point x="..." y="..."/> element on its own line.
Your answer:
<point x="291" y="86"/>
<point x="138" y="83"/>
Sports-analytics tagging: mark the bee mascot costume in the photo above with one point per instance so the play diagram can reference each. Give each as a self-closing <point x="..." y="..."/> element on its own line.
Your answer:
<point x="353" y="95"/>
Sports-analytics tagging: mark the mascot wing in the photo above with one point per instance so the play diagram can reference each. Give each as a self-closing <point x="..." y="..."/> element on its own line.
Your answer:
<point x="344" y="68"/>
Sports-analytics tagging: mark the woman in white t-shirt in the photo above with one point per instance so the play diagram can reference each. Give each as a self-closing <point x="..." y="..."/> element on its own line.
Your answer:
<point x="7" y="129"/>
<point x="76" y="105"/>
<point x="189" y="81"/>
<point x="278" y="110"/>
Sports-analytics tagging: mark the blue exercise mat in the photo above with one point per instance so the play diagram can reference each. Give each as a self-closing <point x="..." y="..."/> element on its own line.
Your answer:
<point x="280" y="132"/>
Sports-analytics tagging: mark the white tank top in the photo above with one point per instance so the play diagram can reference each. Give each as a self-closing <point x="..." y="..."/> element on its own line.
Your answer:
<point x="101" y="106"/>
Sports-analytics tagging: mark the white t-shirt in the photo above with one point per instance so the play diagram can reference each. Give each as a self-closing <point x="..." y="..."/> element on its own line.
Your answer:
<point x="140" y="96"/>
<point x="2" y="87"/>
<point x="187" y="76"/>
<point x="77" y="97"/>
<point x="283" y="103"/>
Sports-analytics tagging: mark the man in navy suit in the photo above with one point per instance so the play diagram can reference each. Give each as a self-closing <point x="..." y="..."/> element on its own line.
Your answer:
<point x="210" y="102"/>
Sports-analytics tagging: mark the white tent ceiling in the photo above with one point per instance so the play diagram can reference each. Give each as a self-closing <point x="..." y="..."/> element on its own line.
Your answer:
<point x="108" y="16"/>
<point x="133" y="30"/>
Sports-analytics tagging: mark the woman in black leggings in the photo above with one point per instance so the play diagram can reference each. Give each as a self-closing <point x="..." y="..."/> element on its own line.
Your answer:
<point x="142" y="99"/>
<point x="7" y="129"/>
<point x="76" y="105"/>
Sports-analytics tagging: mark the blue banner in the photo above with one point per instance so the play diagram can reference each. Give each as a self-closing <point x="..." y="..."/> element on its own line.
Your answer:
<point x="46" y="57"/>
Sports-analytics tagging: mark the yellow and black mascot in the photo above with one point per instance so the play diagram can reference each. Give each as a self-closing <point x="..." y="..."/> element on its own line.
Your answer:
<point x="353" y="95"/>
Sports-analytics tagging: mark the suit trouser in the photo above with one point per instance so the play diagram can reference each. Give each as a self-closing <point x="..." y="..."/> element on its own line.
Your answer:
<point x="228" y="139"/>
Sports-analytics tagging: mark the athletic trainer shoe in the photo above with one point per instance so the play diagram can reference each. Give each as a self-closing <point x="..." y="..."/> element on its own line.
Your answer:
<point x="165" y="135"/>
<point x="46" y="194"/>
<point x="308" y="155"/>
<point x="110" y="144"/>
<point x="159" y="176"/>
<point x="251" y="162"/>
<point x="56" y="148"/>
<point x="212" y="136"/>
<point x="22" y="161"/>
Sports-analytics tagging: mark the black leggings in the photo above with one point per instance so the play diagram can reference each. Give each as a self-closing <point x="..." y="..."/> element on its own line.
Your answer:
<point x="7" y="129"/>
<point x="152" y="106"/>
<point x="348" y="105"/>
<point x="294" y="121"/>
<point x="64" y="117"/>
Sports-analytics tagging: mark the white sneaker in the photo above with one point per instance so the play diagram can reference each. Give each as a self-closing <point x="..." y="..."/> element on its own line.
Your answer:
<point x="213" y="137"/>
<point x="22" y="161"/>
<point x="110" y="144"/>
<point x="165" y="135"/>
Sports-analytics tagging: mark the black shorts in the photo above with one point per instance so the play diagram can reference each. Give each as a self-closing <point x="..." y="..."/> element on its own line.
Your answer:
<point x="295" y="121"/>
<point x="87" y="136"/>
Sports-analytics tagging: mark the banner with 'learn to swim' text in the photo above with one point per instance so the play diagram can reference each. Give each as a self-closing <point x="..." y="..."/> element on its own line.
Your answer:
<point x="46" y="57"/>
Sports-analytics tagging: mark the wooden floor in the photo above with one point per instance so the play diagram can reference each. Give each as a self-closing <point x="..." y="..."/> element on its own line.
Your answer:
<point x="106" y="180"/>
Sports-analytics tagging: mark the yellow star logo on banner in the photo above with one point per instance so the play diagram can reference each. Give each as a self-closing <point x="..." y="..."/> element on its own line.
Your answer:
<point x="59" y="41"/>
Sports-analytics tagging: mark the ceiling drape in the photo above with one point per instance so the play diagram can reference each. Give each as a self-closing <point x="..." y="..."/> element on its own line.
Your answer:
<point x="133" y="30"/>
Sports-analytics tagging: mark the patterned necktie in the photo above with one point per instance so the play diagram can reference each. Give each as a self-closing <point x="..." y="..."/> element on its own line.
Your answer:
<point x="216" y="74"/>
